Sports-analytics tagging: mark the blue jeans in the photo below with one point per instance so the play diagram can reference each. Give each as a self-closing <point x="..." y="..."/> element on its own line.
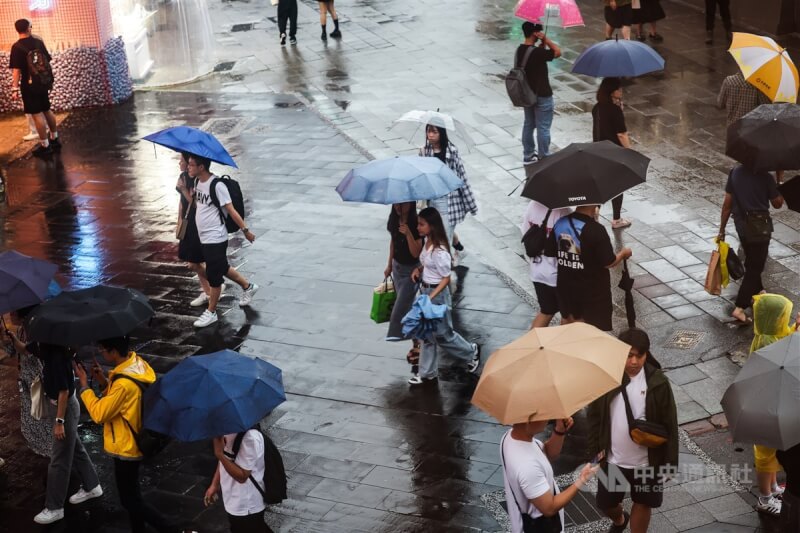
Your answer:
<point x="538" y="117"/>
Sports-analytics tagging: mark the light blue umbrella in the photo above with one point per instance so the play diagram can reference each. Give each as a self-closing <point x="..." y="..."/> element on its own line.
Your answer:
<point x="615" y="58"/>
<point x="398" y="180"/>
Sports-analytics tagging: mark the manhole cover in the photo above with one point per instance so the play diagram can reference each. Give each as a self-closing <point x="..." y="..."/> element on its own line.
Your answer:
<point x="225" y="127"/>
<point x="242" y="27"/>
<point x="224" y="66"/>
<point x="684" y="340"/>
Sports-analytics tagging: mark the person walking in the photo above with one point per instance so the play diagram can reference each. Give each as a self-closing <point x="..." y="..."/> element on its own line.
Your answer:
<point x="739" y="97"/>
<point x="608" y="124"/>
<point x="62" y="411"/>
<point x="454" y="206"/>
<point x="619" y="16"/>
<point x="528" y="478"/>
<point x="120" y="412"/>
<point x="543" y="270"/>
<point x="189" y="247"/>
<point x="645" y="394"/>
<point x="724" y="14"/>
<point x="434" y="278"/>
<point x="748" y="196"/>
<point x="325" y="7"/>
<point x="35" y="96"/>
<point x="243" y="502"/>
<point x="533" y="55"/>
<point x="647" y="12"/>
<point x="287" y="11"/>
<point x="214" y="237"/>
<point x="584" y="253"/>
<point x="404" y="248"/>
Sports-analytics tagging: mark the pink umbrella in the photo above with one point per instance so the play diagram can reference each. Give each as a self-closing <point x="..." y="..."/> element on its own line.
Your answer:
<point x="533" y="10"/>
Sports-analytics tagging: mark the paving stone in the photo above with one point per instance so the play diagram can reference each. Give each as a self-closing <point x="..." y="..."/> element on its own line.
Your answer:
<point x="720" y="421"/>
<point x="698" y="428"/>
<point x="686" y="374"/>
<point x="726" y="506"/>
<point x="688" y="517"/>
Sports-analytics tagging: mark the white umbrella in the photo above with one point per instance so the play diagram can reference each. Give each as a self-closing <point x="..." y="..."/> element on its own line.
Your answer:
<point x="418" y="118"/>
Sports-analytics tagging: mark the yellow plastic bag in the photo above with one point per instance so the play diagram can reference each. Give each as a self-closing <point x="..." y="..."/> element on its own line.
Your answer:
<point x="722" y="248"/>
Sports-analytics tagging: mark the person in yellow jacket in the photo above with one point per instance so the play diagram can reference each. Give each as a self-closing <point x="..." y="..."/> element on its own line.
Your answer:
<point x="121" y="402"/>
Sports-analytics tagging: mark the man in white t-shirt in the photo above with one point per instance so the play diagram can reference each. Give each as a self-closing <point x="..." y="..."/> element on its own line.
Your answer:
<point x="214" y="237"/>
<point x="528" y="475"/>
<point x="243" y="502"/>
<point x="628" y="465"/>
<point x="543" y="269"/>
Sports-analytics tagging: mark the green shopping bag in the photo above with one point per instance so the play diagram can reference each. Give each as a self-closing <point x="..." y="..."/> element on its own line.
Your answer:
<point x="382" y="302"/>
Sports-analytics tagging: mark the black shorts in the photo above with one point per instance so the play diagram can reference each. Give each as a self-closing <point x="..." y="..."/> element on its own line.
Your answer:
<point x="547" y="297"/>
<point x="622" y="16"/>
<point x="34" y="102"/>
<point x="216" y="258"/>
<point x="574" y="304"/>
<point x="645" y="487"/>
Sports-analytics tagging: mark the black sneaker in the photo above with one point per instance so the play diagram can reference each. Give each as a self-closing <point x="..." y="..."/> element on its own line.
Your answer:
<point x="458" y="246"/>
<point x="292" y="40"/>
<point x="336" y="34"/>
<point x="283" y="39"/>
<point x="42" y="152"/>
<point x="324" y="35"/>
<point x="620" y="528"/>
<point x="55" y="145"/>
<point x="473" y="365"/>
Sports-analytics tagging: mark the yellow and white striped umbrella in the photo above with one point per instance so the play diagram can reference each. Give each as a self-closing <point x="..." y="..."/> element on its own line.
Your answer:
<point x="766" y="65"/>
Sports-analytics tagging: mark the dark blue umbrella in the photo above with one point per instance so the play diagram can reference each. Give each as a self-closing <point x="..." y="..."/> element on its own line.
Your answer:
<point x="194" y="141"/>
<point x="615" y="58"/>
<point x="211" y="395"/>
<point x="24" y="280"/>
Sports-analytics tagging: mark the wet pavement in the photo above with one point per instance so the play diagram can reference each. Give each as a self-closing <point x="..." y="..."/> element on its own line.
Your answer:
<point x="364" y="452"/>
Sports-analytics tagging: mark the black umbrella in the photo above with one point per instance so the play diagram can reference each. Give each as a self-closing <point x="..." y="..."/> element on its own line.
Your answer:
<point x="626" y="284"/>
<point x="75" y="318"/>
<point x="790" y="190"/>
<point x="767" y="138"/>
<point x="585" y="174"/>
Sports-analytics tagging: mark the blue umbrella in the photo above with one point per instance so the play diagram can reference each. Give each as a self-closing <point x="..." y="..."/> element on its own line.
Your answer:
<point x="397" y="180"/>
<point x="210" y="395"/>
<point x="616" y="58"/>
<point x="24" y="280"/>
<point x="421" y="320"/>
<point x="194" y="141"/>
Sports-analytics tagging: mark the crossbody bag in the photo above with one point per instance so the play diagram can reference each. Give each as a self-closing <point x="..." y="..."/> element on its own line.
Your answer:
<point x="643" y="432"/>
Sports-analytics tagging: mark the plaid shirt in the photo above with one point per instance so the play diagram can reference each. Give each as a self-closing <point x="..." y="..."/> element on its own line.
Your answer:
<point x="739" y="97"/>
<point x="461" y="201"/>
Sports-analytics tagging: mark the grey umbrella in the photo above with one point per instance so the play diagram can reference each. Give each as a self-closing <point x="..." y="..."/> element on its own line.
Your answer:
<point x="762" y="402"/>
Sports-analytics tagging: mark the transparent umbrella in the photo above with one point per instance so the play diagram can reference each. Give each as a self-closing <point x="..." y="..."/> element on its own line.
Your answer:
<point x="412" y="122"/>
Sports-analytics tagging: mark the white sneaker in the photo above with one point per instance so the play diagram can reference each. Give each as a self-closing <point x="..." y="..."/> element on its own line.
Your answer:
<point x="206" y="319"/>
<point x="247" y="294"/>
<point x="200" y="300"/>
<point x="32" y="136"/>
<point x="82" y="496"/>
<point x="771" y="505"/>
<point x="48" y="517"/>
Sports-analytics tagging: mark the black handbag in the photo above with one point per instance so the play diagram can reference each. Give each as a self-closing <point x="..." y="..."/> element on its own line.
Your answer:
<point x="757" y="224"/>
<point x="734" y="264"/>
<point x="542" y="524"/>
<point x="643" y="432"/>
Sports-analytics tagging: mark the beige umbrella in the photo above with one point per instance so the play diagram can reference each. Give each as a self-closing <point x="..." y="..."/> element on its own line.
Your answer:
<point x="550" y="373"/>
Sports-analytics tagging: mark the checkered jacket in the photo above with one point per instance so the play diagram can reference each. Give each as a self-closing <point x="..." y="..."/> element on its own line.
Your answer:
<point x="461" y="201"/>
<point x="739" y="97"/>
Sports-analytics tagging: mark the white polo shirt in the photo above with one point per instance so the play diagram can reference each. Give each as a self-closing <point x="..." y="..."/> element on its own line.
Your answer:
<point x="242" y="499"/>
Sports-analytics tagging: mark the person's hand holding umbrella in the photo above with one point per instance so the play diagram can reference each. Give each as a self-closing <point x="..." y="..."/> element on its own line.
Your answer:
<point x="80" y="373"/>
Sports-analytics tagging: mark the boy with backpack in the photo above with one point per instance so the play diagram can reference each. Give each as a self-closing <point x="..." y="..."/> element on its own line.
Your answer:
<point x="216" y="215"/>
<point x="32" y="73"/>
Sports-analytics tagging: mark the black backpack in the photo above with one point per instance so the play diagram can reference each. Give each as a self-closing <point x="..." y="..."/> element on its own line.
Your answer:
<point x="274" y="491"/>
<point x="237" y="199"/>
<point x="40" y="73"/>
<point x="535" y="238"/>
<point x="517" y="87"/>
<point x="149" y="442"/>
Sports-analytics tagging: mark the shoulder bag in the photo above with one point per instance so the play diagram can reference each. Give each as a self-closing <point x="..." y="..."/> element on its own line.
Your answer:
<point x="642" y="432"/>
<point x="38" y="399"/>
<point x="757" y="223"/>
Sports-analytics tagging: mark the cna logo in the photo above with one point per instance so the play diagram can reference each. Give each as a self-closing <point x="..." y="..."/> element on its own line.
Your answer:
<point x="40" y="5"/>
<point x="576" y="198"/>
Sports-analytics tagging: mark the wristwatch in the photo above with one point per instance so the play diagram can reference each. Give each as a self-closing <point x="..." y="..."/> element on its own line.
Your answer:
<point x="245" y="229"/>
<point x="60" y="421"/>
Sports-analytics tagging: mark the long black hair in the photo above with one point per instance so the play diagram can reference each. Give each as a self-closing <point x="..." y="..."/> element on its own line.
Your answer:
<point x="607" y="86"/>
<point x="444" y="142"/>
<point x="639" y="340"/>
<point x="437" y="235"/>
<point x="393" y="226"/>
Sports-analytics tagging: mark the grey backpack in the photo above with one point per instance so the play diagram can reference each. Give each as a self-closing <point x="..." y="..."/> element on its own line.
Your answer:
<point x="519" y="91"/>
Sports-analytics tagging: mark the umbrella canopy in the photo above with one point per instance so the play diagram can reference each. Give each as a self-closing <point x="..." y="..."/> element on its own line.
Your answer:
<point x="417" y="118"/>
<point x="421" y="320"/>
<point x="761" y="403"/>
<point x="24" y="280"/>
<point x="76" y="318"/>
<point x="207" y="396"/>
<point x="790" y="190"/>
<point x="398" y="180"/>
<point x="615" y="58"/>
<point x="550" y="373"/>
<point x="766" y="65"/>
<point x="194" y="141"/>
<point x="585" y="174"/>
<point x="534" y="10"/>
<point x="767" y="138"/>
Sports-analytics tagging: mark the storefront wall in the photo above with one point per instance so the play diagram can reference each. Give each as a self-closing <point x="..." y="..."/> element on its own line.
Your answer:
<point x="775" y="17"/>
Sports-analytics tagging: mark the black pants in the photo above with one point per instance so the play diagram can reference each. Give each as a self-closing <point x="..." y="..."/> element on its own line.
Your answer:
<point x="252" y="523"/>
<point x="287" y="9"/>
<point x="126" y="474"/>
<point x="724" y="13"/>
<point x="755" y="258"/>
<point x="616" y="206"/>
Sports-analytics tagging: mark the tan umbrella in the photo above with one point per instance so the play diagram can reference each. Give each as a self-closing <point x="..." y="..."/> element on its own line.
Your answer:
<point x="550" y="373"/>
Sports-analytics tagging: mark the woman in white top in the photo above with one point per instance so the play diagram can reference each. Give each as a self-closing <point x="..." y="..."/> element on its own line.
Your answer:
<point x="434" y="279"/>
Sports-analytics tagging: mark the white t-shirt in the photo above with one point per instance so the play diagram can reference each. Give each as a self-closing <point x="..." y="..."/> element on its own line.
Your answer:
<point x="436" y="264"/>
<point x="529" y="474"/>
<point x="544" y="269"/>
<point x="242" y="499"/>
<point x="624" y="452"/>
<point x="209" y="224"/>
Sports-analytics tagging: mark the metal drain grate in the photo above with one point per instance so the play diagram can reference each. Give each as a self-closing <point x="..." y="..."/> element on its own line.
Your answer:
<point x="225" y="66"/>
<point x="242" y="27"/>
<point x="684" y="339"/>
